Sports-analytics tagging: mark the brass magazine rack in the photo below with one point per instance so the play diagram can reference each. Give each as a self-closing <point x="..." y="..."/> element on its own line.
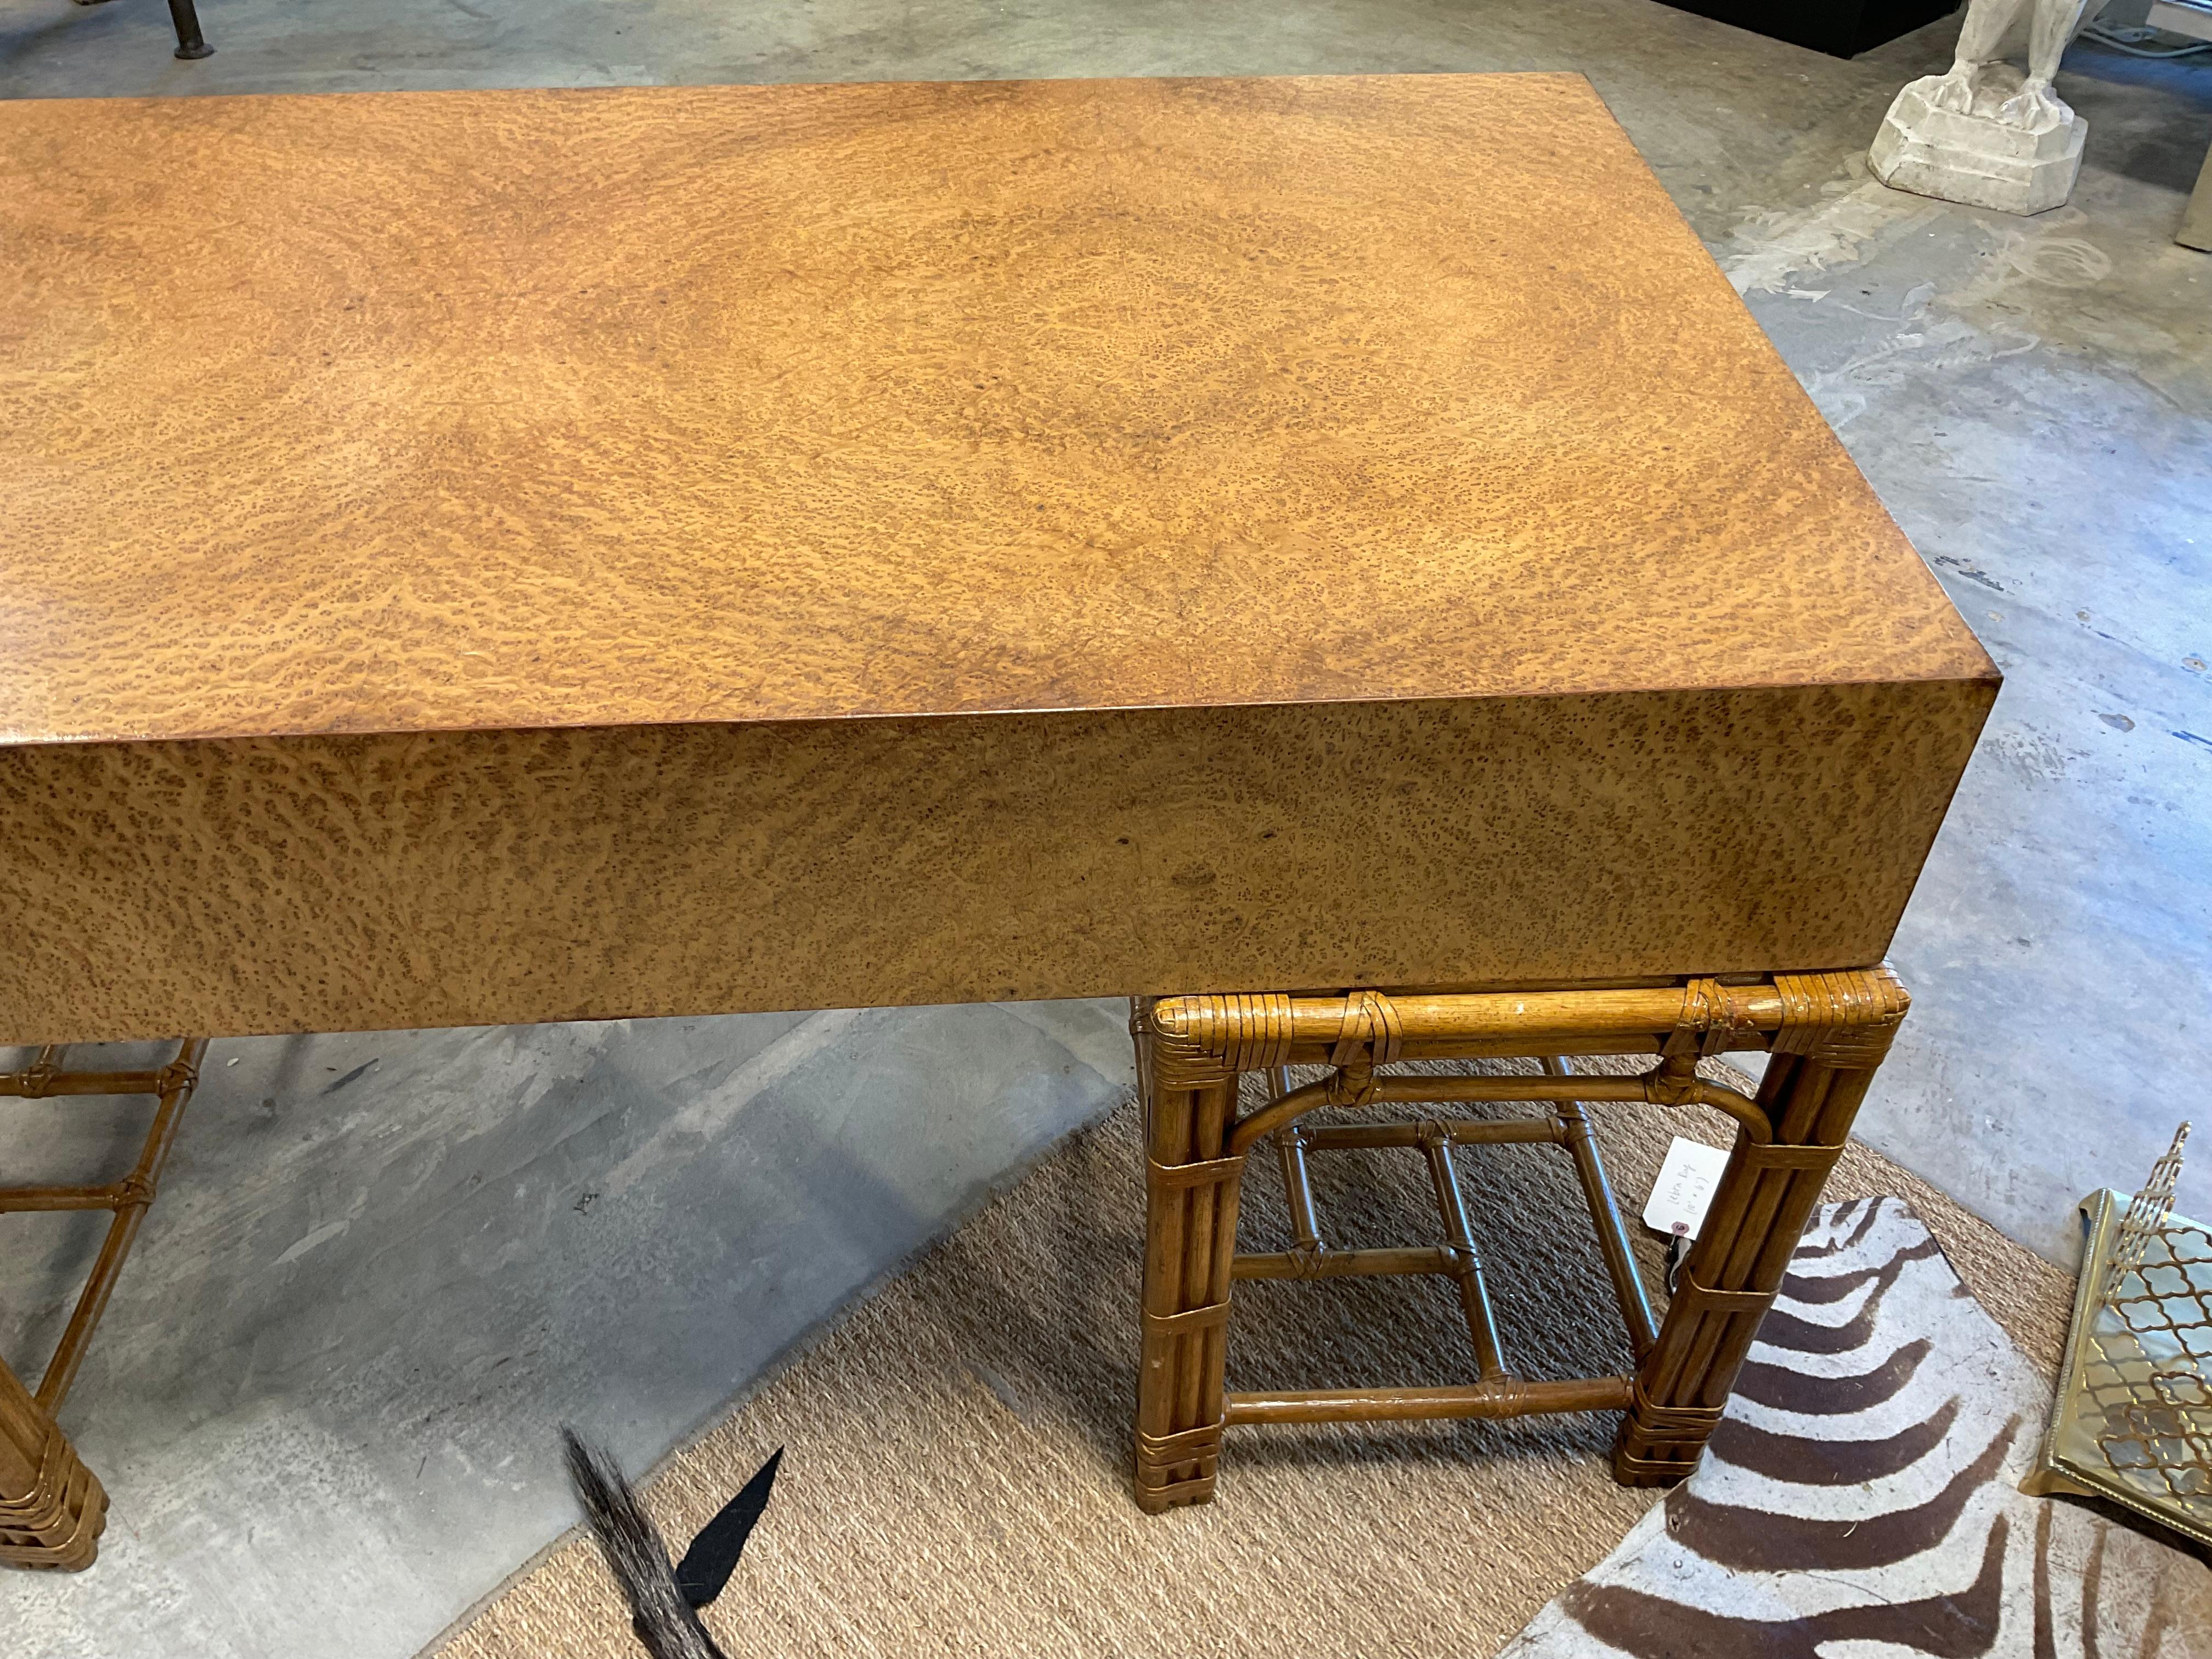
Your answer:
<point x="2133" y="1419"/>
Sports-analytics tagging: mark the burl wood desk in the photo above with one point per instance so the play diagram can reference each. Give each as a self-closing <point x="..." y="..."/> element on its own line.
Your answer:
<point x="539" y="555"/>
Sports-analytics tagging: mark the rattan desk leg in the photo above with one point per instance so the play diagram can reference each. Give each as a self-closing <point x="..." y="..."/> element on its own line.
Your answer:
<point x="52" y="1509"/>
<point x="1190" y="1241"/>
<point x="1838" y="1028"/>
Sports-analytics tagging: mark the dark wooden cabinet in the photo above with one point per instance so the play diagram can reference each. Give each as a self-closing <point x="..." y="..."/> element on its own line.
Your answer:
<point x="1842" y="29"/>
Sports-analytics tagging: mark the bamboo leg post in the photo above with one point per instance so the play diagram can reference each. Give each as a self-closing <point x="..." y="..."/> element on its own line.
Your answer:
<point x="1297" y="1196"/>
<point x="1466" y="1259"/>
<point x="1835" y="1030"/>
<point x="1192" y="1180"/>
<point x="1827" y="1033"/>
<point x="52" y="1509"/>
<point x="1574" y="1129"/>
<point x="1190" y="1233"/>
<point x="130" y="1197"/>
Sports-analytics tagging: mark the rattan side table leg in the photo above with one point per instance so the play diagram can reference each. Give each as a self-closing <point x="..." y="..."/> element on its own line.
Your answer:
<point x="1190" y="1241"/>
<point x="1837" y="1030"/>
<point x="52" y="1509"/>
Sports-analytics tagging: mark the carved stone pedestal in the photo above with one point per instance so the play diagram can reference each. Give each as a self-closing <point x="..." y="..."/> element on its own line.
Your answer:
<point x="2021" y="160"/>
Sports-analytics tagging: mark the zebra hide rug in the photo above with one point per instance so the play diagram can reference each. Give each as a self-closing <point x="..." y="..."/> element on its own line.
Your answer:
<point x="1860" y="1500"/>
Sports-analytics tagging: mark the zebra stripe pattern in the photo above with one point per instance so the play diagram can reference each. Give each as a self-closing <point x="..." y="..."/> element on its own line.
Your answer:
<point x="1860" y="1496"/>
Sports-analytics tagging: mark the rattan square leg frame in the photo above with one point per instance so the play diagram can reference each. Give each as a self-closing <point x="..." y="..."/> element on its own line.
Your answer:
<point x="1827" y="1033"/>
<point x="51" y="1506"/>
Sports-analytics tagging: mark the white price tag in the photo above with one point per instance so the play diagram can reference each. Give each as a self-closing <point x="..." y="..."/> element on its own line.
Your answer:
<point x="1686" y="1181"/>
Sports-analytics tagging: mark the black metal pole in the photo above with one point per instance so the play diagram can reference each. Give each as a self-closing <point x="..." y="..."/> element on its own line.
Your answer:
<point x="190" y="42"/>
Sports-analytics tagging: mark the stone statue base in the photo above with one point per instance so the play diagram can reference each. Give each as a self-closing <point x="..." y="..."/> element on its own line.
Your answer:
<point x="1983" y="155"/>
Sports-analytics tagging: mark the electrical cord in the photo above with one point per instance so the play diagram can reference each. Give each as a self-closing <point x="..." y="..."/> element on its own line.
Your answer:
<point x="2127" y="40"/>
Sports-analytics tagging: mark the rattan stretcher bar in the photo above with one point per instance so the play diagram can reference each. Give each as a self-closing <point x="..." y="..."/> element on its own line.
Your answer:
<point x="58" y="1519"/>
<point x="1825" y="1033"/>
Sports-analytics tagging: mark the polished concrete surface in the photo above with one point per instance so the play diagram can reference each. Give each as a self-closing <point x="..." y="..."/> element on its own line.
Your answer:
<point x="386" y="1266"/>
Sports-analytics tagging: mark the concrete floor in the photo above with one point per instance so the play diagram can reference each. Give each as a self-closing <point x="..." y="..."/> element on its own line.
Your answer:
<point x="325" y="1402"/>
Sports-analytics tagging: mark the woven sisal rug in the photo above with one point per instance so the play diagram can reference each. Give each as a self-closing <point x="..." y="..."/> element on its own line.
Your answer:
<point x="957" y="1476"/>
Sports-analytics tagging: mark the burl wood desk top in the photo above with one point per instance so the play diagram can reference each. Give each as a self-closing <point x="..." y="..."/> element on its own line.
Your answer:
<point x="522" y="555"/>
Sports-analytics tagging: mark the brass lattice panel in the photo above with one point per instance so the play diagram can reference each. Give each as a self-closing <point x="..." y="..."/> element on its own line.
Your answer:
<point x="2133" y="1419"/>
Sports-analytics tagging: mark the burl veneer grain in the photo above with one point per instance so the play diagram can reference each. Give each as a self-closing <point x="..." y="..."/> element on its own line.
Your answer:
<point x="521" y="555"/>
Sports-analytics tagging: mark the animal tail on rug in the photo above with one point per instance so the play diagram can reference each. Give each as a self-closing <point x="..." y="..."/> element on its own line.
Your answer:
<point x="663" y="1600"/>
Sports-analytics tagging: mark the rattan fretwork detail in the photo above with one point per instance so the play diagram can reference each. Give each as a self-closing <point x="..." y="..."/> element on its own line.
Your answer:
<point x="1826" y="1033"/>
